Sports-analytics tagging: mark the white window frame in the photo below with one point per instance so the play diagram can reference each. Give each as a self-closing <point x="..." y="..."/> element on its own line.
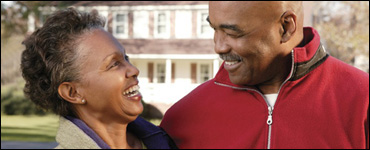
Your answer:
<point x="200" y="22"/>
<point x="125" y="24"/>
<point x="167" y="24"/>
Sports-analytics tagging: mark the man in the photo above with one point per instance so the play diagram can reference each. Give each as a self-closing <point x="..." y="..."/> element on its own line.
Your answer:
<point x="277" y="87"/>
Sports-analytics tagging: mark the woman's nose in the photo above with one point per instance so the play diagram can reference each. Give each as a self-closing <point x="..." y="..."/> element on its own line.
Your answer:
<point x="132" y="71"/>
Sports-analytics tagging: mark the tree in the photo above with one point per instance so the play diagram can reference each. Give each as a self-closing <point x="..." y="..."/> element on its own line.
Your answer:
<point x="14" y="27"/>
<point x="14" y="19"/>
<point x="344" y="29"/>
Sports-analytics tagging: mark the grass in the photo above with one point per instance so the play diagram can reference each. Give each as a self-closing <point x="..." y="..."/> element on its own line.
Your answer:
<point x="29" y="128"/>
<point x="33" y="128"/>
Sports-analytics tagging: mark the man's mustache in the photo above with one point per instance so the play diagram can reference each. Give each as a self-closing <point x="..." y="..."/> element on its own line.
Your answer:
<point x="230" y="57"/>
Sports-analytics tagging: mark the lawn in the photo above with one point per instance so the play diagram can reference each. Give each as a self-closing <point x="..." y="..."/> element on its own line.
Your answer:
<point x="33" y="128"/>
<point x="29" y="128"/>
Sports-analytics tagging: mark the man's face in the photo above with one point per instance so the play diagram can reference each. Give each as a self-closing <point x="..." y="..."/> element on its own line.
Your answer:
<point x="248" y="40"/>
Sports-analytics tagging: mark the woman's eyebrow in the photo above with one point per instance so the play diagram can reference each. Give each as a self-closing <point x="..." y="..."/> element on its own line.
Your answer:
<point x="111" y="56"/>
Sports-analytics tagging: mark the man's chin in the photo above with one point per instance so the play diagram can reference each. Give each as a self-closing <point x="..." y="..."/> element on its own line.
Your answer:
<point x="240" y="81"/>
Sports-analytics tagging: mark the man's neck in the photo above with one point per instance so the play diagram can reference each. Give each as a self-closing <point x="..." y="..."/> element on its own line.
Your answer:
<point x="270" y="88"/>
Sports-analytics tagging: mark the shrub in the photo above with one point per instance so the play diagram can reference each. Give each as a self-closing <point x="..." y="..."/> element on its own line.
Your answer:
<point x="13" y="102"/>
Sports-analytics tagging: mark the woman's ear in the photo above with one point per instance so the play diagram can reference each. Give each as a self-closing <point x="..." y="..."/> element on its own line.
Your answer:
<point x="289" y="25"/>
<point x="68" y="92"/>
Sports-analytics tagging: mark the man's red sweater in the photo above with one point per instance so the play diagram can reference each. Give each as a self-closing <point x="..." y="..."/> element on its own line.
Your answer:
<point x="324" y="103"/>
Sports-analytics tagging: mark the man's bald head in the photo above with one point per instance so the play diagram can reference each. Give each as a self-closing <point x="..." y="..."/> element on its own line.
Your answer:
<point x="258" y="36"/>
<point x="260" y="12"/>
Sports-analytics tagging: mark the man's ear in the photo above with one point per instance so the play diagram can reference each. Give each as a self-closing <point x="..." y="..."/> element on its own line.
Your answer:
<point x="289" y="25"/>
<point x="68" y="92"/>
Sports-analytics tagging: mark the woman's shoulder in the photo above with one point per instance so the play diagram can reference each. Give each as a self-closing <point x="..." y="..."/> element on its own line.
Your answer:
<point x="151" y="135"/>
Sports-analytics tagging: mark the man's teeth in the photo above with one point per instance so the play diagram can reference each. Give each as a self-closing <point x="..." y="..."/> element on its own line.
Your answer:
<point x="131" y="91"/>
<point x="231" y="62"/>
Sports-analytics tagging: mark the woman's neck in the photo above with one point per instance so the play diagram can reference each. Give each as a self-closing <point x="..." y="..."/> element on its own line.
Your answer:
<point x="113" y="133"/>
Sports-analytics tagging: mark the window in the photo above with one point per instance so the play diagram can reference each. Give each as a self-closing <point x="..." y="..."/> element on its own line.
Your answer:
<point x="162" y="24"/>
<point x="161" y="73"/>
<point x="204" y="73"/>
<point x="120" y="25"/>
<point x="204" y="29"/>
<point x="200" y="72"/>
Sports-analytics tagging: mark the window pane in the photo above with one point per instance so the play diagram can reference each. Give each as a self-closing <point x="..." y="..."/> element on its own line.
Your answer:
<point x="121" y="18"/>
<point x="161" y="73"/>
<point x="161" y="29"/>
<point x="205" y="29"/>
<point x="120" y="29"/>
<point x="204" y="18"/>
<point x="204" y="73"/>
<point x="204" y="68"/>
<point x="161" y="18"/>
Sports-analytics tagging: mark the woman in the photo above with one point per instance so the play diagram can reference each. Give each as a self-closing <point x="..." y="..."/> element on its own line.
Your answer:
<point x="81" y="72"/>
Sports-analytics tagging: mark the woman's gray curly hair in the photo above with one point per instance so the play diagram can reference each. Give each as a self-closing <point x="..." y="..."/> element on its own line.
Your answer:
<point x="50" y="57"/>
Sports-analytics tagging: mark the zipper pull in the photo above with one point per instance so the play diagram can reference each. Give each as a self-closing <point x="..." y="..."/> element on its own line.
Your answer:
<point x="269" y="118"/>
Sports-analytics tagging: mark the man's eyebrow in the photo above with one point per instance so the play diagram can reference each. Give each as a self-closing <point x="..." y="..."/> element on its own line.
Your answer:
<point x="231" y="27"/>
<point x="226" y="26"/>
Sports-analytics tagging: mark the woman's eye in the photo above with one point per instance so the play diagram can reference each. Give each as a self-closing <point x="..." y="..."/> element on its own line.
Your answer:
<point x="127" y="58"/>
<point x="116" y="63"/>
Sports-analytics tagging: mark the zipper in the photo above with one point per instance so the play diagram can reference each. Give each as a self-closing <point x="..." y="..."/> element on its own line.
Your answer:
<point x="269" y="123"/>
<point x="270" y="109"/>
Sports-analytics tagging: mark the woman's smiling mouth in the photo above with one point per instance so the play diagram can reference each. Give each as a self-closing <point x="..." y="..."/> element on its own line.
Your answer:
<point x="131" y="92"/>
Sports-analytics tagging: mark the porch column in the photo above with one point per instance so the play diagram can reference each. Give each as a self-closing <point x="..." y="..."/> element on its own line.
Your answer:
<point x="168" y="71"/>
<point x="216" y="66"/>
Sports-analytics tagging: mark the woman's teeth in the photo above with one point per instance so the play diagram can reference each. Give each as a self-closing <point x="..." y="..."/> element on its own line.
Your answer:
<point x="134" y="90"/>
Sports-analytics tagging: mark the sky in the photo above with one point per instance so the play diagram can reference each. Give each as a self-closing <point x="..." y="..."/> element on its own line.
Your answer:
<point x="6" y="3"/>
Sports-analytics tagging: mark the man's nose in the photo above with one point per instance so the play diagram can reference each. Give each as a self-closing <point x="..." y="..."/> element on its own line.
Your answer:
<point x="221" y="44"/>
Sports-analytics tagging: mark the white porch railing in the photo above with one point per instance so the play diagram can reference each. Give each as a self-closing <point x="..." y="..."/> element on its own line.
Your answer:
<point x="164" y="93"/>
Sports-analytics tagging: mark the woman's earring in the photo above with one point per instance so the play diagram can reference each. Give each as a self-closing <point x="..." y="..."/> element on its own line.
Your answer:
<point x="83" y="101"/>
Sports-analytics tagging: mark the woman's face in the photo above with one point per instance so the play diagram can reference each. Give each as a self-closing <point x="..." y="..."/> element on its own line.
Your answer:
<point x="108" y="80"/>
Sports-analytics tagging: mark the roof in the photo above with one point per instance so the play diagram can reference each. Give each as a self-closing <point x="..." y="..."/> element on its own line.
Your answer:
<point x="127" y="3"/>
<point x="168" y="46"/>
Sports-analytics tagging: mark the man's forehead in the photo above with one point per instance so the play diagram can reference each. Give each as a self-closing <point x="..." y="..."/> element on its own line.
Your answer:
<point x="251" y="11"/>
<point x="253" y="7"/>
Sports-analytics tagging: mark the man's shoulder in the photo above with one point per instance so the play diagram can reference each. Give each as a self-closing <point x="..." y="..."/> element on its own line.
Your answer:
<point x="203" y="89"/>
<point x="341" y="68"/>
<point x="340" y="74"/>
<point x="193" y="99"/>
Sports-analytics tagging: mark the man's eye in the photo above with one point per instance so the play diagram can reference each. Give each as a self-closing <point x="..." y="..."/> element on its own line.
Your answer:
<point x="233" y="36"/>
